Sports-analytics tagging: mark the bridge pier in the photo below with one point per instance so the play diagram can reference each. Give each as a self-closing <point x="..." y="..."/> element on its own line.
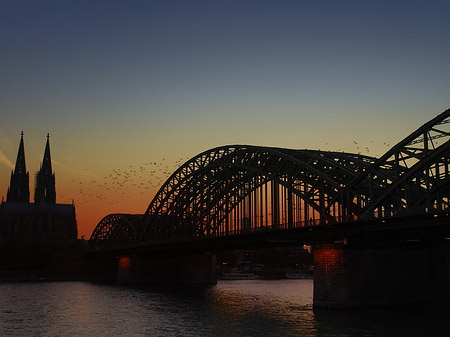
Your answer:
<point x="395" y="274"/>
<point x="186" y="269"/>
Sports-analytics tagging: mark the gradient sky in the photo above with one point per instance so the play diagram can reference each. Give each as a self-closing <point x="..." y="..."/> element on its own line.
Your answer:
<point x="129" y="90"/>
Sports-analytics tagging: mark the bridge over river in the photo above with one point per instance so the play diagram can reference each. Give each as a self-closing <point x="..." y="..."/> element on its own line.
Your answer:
<point x="379" y="227"/>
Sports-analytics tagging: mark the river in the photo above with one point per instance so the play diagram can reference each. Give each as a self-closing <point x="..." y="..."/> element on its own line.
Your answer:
<point x="230" y="308"/>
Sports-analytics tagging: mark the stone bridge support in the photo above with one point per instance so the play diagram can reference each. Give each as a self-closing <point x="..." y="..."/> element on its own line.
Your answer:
<point x="383" y="275"/>
<point x="187" y="269"/>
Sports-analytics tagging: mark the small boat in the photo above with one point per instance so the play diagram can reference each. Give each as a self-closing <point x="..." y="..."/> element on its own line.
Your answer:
<point x="272" y="274"/>
<point x="298" y="275"/>
<point x="238" y="276"/>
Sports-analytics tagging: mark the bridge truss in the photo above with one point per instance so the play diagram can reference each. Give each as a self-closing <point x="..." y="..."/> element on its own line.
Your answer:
<point x="240" y="188"/>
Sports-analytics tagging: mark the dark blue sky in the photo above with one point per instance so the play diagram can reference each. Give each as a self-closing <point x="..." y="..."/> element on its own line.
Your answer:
<point x="62" y="52"/>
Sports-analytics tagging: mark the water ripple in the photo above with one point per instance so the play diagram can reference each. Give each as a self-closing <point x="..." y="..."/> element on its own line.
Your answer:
<point x="229" y="309"/>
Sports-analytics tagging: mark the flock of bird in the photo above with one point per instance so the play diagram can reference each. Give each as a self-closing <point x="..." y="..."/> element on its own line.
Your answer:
<point x="360" y="148"/>
<point x="137" y="180"/>
<point x="125" y="183"/>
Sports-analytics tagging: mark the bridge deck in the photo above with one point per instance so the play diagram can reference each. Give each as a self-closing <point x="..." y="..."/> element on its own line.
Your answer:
<point x="421" y="227"/>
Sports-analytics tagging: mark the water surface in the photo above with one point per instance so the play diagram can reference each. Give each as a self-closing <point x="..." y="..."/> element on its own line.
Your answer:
<point x="231" y="308"/>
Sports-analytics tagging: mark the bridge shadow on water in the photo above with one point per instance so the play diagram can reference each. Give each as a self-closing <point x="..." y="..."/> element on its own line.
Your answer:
<point x="382" y="322"/>
<point x="230" y="308"/>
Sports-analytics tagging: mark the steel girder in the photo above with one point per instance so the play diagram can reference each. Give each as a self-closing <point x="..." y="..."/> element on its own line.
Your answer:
<point x="397" y="194"/>
<point x="423" y="188"/>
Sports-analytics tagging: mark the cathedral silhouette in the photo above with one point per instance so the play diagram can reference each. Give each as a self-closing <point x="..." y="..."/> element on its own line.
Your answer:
<point x="43" y="219"/>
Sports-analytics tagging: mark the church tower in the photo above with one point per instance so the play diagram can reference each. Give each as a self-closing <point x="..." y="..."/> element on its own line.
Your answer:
<point x="19" y="190"/>
<point x="45" y="179"/>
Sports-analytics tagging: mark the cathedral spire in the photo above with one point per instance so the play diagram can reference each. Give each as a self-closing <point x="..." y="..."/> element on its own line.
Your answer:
<point x="19" y="186"/>
<point x="47" y="161"/>
<point x="20" y="161"/>
<point x="45" y="179"/>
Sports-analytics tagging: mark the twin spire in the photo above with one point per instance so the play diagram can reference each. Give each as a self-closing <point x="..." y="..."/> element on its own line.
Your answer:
<point x="45" y="179"/>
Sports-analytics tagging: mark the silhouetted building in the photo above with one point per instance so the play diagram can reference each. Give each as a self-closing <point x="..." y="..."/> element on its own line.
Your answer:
<point x="38" y="221"/>
<point x="43" y="219"/>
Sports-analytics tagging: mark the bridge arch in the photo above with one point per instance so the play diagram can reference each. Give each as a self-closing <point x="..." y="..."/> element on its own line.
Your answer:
<point x="117" y="230"/>
<point x="236" y="188"/>
<point x="240" y="188"/>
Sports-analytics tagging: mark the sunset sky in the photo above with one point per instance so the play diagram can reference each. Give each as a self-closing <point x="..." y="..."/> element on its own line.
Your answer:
<point x="129" y="90"/>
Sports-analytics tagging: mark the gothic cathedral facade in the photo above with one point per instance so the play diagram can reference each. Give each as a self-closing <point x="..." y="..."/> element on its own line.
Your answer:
<point x="43" y="219"/>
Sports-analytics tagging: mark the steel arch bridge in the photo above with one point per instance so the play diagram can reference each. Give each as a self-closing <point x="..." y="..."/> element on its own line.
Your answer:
<point x="240" y="188"/>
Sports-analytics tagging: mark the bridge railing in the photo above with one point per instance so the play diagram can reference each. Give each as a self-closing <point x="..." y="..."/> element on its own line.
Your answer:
<point x="269" y="228"/>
